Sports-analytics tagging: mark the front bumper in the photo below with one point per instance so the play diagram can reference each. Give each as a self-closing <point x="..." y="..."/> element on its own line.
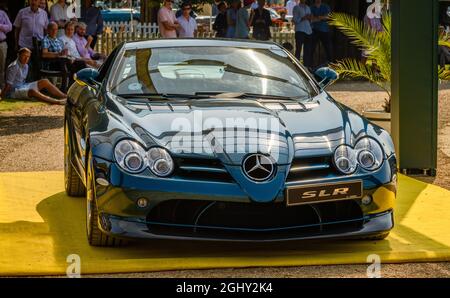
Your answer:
<point x="121" y="216"/>
<point x="130" y="228"/>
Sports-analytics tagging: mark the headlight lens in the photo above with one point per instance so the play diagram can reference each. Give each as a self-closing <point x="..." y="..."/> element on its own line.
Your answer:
<point x="345" y="159"/>
<point x="130" y="156"/>
<point x="367" y="153"/>
<point x="160" y="161"/>
<point x="370" y="154"/>
<point x="133" y="158"/>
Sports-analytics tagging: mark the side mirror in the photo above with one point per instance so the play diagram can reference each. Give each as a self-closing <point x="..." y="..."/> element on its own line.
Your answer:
<point x="87" y="76"/>
<point x="326" y="76"/>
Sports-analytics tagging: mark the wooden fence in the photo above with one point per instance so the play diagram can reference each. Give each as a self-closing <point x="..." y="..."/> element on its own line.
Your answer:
<point x="116" y="33"/>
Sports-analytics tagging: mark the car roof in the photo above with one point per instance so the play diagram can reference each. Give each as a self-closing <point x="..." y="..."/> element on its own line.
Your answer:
<point x="199" y="42"/>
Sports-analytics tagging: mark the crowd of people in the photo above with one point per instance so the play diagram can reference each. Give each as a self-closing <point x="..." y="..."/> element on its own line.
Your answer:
<point x="235" y="19"/>
<point x="52" y="36"/>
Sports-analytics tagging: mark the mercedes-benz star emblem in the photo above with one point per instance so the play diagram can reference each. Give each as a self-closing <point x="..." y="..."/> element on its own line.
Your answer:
<point x="258" y="167"/>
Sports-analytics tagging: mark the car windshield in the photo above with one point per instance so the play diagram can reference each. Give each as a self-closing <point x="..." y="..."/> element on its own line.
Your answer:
<point x="194" y="70"/>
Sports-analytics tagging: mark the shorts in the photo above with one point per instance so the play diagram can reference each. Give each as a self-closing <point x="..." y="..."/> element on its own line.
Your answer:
<point x="22" y="91"/>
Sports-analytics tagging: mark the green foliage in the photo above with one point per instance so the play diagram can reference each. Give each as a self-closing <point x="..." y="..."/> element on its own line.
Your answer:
<point x="15" y="104"/>
<point x="377" y="49"/>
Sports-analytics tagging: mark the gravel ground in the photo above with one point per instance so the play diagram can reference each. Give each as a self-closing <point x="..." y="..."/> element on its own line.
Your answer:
<point x="31" y="139"/>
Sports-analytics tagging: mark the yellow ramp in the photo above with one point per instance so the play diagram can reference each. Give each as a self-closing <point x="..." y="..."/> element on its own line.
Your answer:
<point x="40" y="227"/>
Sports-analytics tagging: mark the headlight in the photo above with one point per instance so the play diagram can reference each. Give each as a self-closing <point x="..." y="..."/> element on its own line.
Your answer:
<point x="369" y="154"/>
<point x="130" y="156"/>
<point x="345" y="159"/>
<point x="160" y="161"/>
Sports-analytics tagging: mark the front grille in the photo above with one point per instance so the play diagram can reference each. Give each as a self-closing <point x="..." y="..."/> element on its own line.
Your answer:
<point x="253" y="221"/>
<point x="202" y="169"/>
<point x="311" y="168"/>
<point x="213" y="170"/>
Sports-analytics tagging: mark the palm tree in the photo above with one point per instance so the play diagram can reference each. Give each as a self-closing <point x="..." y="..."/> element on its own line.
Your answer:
<point x="377" y="47"/>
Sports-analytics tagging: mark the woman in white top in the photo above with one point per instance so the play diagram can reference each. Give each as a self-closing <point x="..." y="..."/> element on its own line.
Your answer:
<point x="69" y="44"/>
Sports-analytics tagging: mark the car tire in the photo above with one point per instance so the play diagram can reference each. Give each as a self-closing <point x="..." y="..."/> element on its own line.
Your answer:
<point x="96" y="237"/>
<point x="74" y="186"/>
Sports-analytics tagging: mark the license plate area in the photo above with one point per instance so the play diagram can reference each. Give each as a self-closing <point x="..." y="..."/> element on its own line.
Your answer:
<point x="323" y="192"/>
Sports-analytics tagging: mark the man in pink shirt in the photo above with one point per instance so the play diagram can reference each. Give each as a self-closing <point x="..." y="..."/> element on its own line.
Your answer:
<point x="167" y="21"/>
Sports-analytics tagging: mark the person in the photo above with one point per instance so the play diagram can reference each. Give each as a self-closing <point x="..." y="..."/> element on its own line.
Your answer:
<point x="243" y="20"/>
<point x="52" y="47"/>
<point x="373" y="21"/>
<point x="58" y="14"/>
<point x="44" y="6"/>
<point x="282" y="19"/>
<point x="72" y="51"/>
<point x="261" y="21"/>
<point x="321" y="29"/>
<point x="167" y="21"/>
<point x="5" y="27"/>
<point x="30" y="22"/>
<point x="54" y="53"/>
<point x="303" y="32"/>
<point x="290" y="6"/>
<point x="17" y="87"/>
<point x="84" y="44"/>
<point x="179" y="12"/>
<point x="188" y="25"/>
<point x="220" y="23"/>
<point x="94" y="22"/>
<point x="215" y="8"/>
<point x="231" y="18"/>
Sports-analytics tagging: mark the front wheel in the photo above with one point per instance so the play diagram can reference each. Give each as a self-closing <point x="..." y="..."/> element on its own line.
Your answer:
<point x="95" y="236"/>
<point x="73" y="184"/>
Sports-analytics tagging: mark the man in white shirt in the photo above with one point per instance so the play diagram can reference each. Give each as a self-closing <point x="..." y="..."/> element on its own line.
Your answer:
<point x="290" y="7"/>
<point x="188" y="25"/>
<point x="58" y="14"/>
<point x="70" y="45"/>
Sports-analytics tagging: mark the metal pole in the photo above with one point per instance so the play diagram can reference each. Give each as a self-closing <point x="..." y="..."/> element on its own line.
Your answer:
<point x="414" y="83"/>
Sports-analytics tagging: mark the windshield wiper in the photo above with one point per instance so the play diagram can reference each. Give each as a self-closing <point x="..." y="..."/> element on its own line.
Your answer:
<point x="166" y="96"/>
<point x="221" y="94"/>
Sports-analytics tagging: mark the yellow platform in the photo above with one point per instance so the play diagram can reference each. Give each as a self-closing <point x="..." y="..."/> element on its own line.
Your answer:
<point x="40" y="227"/>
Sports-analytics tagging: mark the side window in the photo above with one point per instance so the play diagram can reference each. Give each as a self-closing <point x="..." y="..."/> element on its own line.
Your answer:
<point x="103" y="70"/>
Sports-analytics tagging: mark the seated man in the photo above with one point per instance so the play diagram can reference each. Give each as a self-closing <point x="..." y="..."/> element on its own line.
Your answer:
<point x="84" y="45"/>
<point x="53" y="48"/>
<point x="16" y="87"/>
<point x="69" y="44"/>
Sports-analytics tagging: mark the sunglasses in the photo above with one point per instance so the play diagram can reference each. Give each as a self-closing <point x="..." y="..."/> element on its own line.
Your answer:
<point x="187" y="8"/>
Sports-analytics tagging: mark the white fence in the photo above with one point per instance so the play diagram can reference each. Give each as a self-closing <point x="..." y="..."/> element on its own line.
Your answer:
<point x="117" y="32"/>
<point x="115" y="27"/>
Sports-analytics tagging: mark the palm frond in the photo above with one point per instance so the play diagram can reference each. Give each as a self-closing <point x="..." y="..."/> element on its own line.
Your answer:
<point x="351" y="68"/>
<point x="444" y="74"/>
<point x="360" y="34"/>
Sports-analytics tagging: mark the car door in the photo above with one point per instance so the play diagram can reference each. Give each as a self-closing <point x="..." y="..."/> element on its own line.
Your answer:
<point x="81" y="99"/>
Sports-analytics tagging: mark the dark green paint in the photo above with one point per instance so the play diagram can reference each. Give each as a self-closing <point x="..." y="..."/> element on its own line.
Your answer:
<point x="414" y="82"/>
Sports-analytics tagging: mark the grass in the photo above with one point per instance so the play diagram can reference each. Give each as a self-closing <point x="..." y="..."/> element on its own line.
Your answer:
<point x="7" y="104"/>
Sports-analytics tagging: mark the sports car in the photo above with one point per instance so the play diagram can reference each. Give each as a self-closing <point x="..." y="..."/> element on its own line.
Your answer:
<point x="222" y="140"/>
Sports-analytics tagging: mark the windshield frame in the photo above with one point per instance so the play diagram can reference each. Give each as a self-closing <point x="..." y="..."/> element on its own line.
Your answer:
<point x="309" y="78"/>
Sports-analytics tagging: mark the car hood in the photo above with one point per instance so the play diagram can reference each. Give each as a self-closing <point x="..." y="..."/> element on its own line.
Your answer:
<point x="232" y="129"/>
<point x="229" y="129"/>
<point x="217" y="127"/>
